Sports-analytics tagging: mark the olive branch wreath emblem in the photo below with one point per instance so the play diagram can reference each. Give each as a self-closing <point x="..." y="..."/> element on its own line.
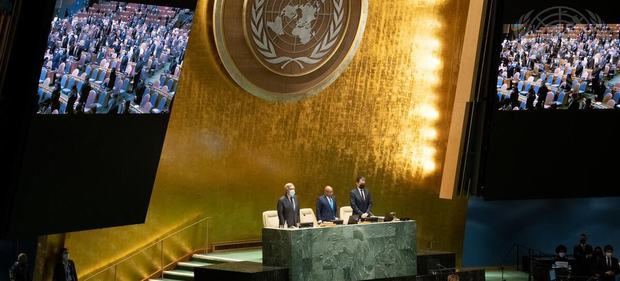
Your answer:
<point x="265" y="46"/>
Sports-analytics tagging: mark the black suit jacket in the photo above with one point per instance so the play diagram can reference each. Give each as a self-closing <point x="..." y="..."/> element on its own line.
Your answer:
<point x="603" y="267"/>
<point x="60" y="274"/>
<point x="358" y="205"/>
<point x="582" y="264"/>
<point x="19" y="272"/>
<point x="324" y="212"/>
<point x="286" y="212"/>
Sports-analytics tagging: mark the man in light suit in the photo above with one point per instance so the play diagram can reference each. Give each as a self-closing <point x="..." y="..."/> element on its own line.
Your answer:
<point x="288" y="207"/>
<point x="326" y="206"/>
<point x="361" y="202"/>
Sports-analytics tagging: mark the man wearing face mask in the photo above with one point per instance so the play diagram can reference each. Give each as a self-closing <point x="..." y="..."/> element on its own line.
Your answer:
<point x="561" y="253"/>
<point x="583" y="256"/>
<point x="288" y="207"/>
<point x="65" y="268"/>
<point x="361" y="202"/>
<point x="608" y="266"/>
<point x="561" y="263"/>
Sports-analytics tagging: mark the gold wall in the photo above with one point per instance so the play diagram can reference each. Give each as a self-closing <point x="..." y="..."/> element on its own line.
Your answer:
<point x="228" y="154"/>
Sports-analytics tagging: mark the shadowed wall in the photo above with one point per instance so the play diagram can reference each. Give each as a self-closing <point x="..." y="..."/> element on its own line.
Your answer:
<point x="228" y="154"/>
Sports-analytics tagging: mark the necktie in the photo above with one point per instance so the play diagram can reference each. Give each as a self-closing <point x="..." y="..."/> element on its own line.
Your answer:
<point x="363" y="197"/>
<point x="608" y="262"/>
<point x="331" y="203"/>
<point x="293" y="202"/>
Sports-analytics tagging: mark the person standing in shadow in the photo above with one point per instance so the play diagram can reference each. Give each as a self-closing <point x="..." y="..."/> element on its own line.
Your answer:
<point x="19" y="271"/>
<point x="608" y="266"/>
<point x="65" y="268"/>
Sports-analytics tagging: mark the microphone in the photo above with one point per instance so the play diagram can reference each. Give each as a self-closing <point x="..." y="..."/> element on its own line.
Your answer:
<point x="442" y="269"/>
<point x="441" y="266"/>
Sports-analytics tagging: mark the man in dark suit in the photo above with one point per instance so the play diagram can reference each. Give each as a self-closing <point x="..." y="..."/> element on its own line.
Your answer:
<point x="19" y="271"/>
<point x="361" y="202"/>
<point x="288" y="208"/>
<point x="583" y="256"/>
<point x="608" y="266"/>
<point x="326" y="206"/>
<point x="65" y="268"/>
<point x="542" y="96"/>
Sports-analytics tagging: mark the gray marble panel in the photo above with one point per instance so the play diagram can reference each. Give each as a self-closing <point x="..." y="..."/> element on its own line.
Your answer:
<point x="343" y="253"/>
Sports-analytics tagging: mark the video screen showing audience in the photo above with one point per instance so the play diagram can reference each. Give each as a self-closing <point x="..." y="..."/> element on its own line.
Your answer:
<point x="559" y="67"/>
<point x="108" y="57"/>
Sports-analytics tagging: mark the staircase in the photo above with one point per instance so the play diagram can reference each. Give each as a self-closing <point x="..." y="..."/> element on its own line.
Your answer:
<point x="184" y="271"/>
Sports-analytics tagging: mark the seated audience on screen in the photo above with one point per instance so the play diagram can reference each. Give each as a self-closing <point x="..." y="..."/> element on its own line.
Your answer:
<point x="110" y="47"/>
<point x="578" y="57"/>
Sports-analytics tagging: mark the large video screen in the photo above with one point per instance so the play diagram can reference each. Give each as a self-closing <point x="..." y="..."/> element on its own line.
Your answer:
<point x="546" y="114"/>
<point x="563" y="66"/>
<point x="109" y="57"/>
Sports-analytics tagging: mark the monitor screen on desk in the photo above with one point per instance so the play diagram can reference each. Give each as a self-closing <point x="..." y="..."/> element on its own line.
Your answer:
<point x="353" y="219"/>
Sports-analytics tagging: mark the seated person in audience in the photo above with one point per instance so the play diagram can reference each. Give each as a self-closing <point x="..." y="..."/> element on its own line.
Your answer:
<point x="44" y="106"/>
<point x="560" y="252"/>
<point x="326" y="206"/>
<point x="588" y="105"/>
<point x="127" y="107"/>
<point x="574" y="102"/>
<point x="583" y="256"/>
<point x="597" y="256"/>
<point x="288" y="208"/>
<point x="454" y="277"/>
<point x="608" y="266"/>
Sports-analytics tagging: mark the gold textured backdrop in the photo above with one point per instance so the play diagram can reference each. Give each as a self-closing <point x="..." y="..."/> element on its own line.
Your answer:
<point x="228" y="154"/>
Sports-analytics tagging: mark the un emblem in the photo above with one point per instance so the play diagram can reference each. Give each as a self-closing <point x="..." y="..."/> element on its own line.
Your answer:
<point x="287" y="49"/>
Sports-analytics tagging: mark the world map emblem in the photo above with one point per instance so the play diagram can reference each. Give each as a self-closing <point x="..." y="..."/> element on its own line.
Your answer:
<point x="287" y="49"/>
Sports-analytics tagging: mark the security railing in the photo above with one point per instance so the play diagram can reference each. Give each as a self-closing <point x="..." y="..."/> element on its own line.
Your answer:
<point x="156" y="257"/>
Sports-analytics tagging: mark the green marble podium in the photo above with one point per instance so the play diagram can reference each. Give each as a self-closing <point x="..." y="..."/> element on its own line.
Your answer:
<point x="343" y="253"/>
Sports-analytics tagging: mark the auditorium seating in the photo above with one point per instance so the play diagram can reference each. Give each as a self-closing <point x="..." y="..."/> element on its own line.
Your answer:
<point x="270" y="219"/>
<point x="560" y="99"/>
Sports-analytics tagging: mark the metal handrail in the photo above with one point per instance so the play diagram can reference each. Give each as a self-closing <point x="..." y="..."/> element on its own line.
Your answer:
<point x="147" y="247"/>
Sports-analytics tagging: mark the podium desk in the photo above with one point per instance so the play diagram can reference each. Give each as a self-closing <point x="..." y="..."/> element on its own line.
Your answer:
<point x="343" y="252"/>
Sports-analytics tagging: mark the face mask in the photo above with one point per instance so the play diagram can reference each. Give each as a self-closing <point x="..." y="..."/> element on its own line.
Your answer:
<point x="291" y="192"/>
<point x="609" y="254"/>
<point x="562" y="255"/>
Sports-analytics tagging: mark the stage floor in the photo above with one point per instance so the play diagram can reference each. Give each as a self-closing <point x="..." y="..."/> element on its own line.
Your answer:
<point x="256" y="255"/>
